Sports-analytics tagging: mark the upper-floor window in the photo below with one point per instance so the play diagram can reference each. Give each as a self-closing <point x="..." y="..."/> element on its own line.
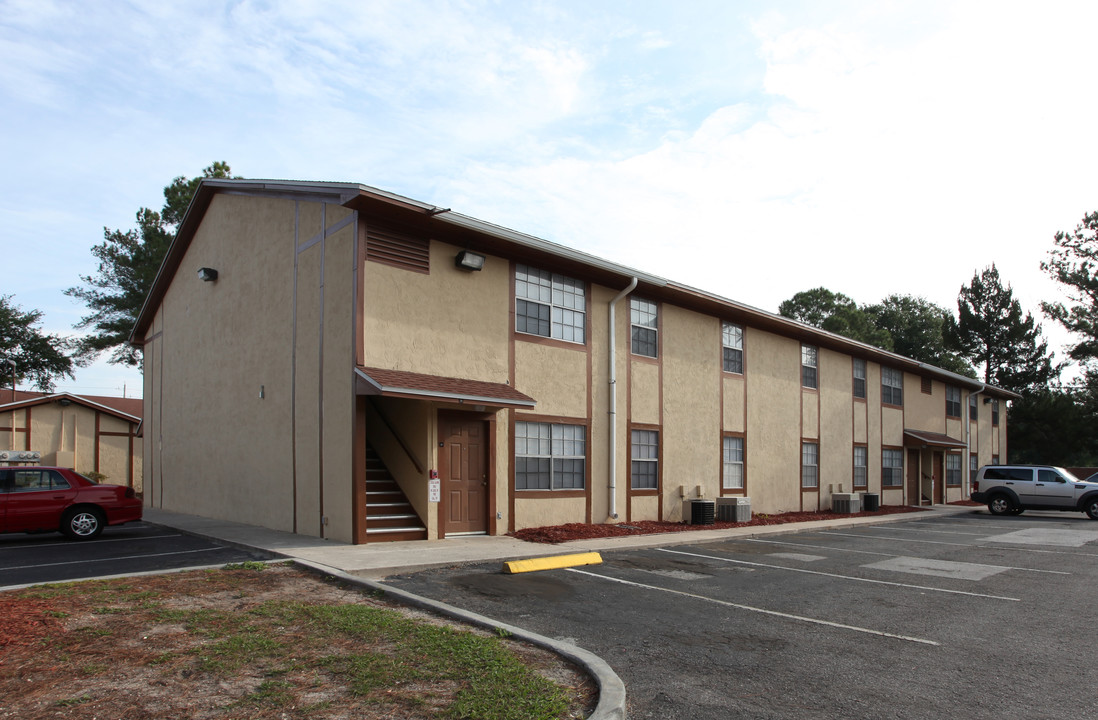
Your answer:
<point x="810" y="465"/>
<point x="809" y="362"/>
<point x="732" y="340"/>
<point x="550" y="456"/>
<point x="859" y="378"/>
<point x="973" y="464"/>
<point x="994" y="412"/>
<point x="644" y="321"/>
<point x="953" y="401"/>
<point x="645" y="456"/>
<point x="732" y="454"/>
<point x="892" y="386"/>
<point x="549" y="305"/>
<point x="973" y="405"/>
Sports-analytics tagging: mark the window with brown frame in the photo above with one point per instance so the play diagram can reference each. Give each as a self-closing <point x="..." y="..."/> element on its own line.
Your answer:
<point x="953" y="401"/>
<point x="644" y="327"/>
<point x="892" y="386"/>
<point x="550" y="305"/>
<point x="892" y="467"/>
<point x="953" y="469"/>
<point x="733" y="476"/>
<point x="809" y="366"/>
<point x="859" y="378"/>
<point x="861" y="466"/>
<point x="732" y="348"/>
<point x="645" y="457"/>
<point x="550" y="456"/>
<point x="810" y="465"/>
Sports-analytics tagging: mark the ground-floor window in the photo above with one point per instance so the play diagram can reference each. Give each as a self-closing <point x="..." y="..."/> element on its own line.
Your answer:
<point x="645" y="453"/>
<point x="861" y="466"/>
<point x="732" y="475"/>
<point x="550" y="456"/>
<point x="953" y="469"/>
<point x="810" y="465"/>
<point x="892" y="468"/>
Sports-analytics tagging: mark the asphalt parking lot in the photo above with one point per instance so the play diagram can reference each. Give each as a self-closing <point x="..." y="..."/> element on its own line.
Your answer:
<point x="968" y="615"/>
<point x="122" y="550"/>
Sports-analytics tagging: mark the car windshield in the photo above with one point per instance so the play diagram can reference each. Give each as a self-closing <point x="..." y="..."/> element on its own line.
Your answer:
<point x="1071" y="477"/>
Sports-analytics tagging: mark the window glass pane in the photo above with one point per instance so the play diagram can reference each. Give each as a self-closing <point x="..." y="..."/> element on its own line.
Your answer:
<point x="645" y="453"/>
<point x="733" y="463"/>
<point x="644" y="341"/>
<point x="810" y="465"/>
<point x="550" y="456"/>
<point x="808" y="366"/>
<point x="732" y="344"/>
<point x="643" y="319"/>
<point x="859" y="378"/>
<point x="549" y="305"/>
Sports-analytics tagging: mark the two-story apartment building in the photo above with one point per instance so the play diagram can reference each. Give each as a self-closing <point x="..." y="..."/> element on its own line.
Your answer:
<point x="335" y="360"/>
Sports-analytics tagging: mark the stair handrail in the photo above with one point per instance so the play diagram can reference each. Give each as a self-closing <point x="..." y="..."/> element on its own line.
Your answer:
<point x="400" y="441"/>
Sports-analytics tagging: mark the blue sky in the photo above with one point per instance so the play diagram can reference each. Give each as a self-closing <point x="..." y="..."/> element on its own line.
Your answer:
<point x="749" y="149"/>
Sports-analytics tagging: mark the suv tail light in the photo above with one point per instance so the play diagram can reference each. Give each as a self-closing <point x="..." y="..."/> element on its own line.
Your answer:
<point x="975" y="486"/>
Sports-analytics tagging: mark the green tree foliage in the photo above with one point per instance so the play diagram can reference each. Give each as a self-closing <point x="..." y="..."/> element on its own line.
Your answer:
<point x="835" y="313"/>
<point x="128" y="263"/>
<point x="1073" y="262"/>
<point x="920" y="330"/>
<point x="1053" y="427"/>
<point x="38" y="358"/>
<point x="992" y="332"/>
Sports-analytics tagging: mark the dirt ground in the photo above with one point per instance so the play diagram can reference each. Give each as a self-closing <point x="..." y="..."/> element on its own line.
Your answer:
<point x="125" y="651"/>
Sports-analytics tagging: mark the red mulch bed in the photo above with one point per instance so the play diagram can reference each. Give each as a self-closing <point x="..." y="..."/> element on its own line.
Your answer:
<point x="579" y="531"/>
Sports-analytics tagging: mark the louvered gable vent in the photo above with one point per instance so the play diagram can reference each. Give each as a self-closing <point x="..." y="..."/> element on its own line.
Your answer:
<point x="397" y="249"/>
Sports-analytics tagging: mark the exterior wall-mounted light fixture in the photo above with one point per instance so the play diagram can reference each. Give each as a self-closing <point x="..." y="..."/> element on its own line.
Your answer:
<point x="206" y="274"/>
<point x="469" y="261"/>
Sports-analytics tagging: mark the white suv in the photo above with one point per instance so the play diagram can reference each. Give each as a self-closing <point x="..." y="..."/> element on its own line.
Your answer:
<point x="1012" y="489"/>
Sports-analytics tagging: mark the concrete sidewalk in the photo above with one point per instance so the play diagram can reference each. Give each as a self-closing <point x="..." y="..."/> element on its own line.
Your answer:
<point x="378" y="560"/>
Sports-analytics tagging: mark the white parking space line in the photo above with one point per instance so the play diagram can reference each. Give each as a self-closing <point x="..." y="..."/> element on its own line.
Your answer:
<point x="69" y="543"/>
<point x="111" y="559"/>
<point x="841" y="577"/>
<point x="798" y="556"/>
<point x="965" y="545"/>
<point x="939" y="568"/>
<point x="1046" y="536"/>
<point x="881" y="554"/>
<point x="937" y="532"/>
<point x="763" y="611"/>
<point x="819" y="547"/>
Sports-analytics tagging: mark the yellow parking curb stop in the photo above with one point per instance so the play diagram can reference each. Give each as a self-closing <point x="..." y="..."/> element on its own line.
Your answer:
<point x="555" y="562"/>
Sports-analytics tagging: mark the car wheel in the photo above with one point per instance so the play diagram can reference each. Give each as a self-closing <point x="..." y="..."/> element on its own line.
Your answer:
<point x="82" y="523"/>
<point x="999" y="505"/>
<point x="1091" y="508"/>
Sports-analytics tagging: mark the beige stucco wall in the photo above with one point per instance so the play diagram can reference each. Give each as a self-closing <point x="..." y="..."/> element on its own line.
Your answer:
<point x="451" y="322"/>
<point x="773" y="421"/>
<point x="837" y="425"/>
<point x="237" y="412"/>
<point x="692" y="407"/>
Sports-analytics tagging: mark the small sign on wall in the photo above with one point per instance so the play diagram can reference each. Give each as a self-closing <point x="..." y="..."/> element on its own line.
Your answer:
<point x="434" y="490"/>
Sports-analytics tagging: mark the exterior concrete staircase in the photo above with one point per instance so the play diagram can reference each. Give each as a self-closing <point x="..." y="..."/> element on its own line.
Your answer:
<point x="389" y="515"/>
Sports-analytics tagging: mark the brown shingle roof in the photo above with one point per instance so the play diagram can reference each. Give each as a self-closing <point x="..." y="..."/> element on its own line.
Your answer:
<point x="932" y="439"/>
<point x="401" y="383"/>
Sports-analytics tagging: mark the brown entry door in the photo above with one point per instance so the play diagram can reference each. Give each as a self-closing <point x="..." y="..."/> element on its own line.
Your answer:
<point x="463" y="470"/>
<point x="914" y="489"/>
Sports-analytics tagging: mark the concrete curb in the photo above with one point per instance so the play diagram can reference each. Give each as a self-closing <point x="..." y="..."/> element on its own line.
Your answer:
<point x="611" y="704"/>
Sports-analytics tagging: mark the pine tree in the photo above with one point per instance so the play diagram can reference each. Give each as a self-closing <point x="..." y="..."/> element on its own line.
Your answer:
<point x="1007" y="346"/>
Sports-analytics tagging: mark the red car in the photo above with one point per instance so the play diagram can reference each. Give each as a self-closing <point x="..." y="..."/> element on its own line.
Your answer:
<point x="52" y="499"/>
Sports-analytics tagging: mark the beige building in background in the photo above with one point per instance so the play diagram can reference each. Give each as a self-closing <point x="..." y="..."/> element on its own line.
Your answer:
<point x="89" y="434"/>
<point x="335" y="360"/>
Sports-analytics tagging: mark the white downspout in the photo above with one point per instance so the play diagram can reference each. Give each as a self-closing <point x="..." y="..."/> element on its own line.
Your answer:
<point x="968" y="441"/>
<point x="613" y="433"/>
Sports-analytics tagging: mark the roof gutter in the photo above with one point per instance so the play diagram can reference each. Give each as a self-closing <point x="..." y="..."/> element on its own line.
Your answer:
<point x="612" y="484"/>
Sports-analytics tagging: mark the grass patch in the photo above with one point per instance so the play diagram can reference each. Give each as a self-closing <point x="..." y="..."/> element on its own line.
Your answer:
<point x="263" y="641"/>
